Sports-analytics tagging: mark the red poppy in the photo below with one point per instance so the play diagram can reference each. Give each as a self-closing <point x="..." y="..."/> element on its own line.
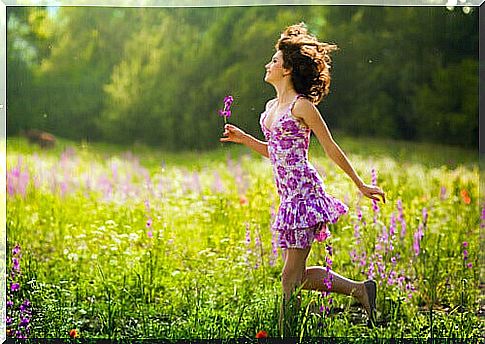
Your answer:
<point x="262" y="334"/>
<point x="73" y="333"/>
<point x="465" y="197"/>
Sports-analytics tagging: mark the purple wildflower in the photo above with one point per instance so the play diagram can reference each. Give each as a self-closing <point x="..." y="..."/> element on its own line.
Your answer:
<point x="274" y="248"/>
<point x="16" y="250"/>
<point x="147" y="205"/>
<point x="16" y="264"/>
<point x="248" y="242"/>
<point x="226" y="111"/>
<point x="24" y="321"/>
<point x="425" y="216"/>
<point x="469" y="265"/>
<point x="257" y="243"/>
<point x="392" y="227"/>
<point x="418" y="235"/>
<point x="356" y="231"/>
<point x="465" y="243"/>
<point x="401" y="218"/>
<point x="353" y="256"/>
<point x="443" y="193"/>
<point x="217" y="186"/>
<point x="465" y="254"/>
<point x="9" y="303"/>
<point x="14" y="287"/>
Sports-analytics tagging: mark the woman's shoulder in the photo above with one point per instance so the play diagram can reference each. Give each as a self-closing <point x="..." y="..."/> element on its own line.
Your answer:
<point x="303" y="106"/>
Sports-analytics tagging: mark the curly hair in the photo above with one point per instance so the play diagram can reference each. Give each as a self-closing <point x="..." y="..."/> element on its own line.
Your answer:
<point x="309" y="61"/>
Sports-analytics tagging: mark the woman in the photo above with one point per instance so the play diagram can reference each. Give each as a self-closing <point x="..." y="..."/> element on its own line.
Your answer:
<point x="299" y="72"/>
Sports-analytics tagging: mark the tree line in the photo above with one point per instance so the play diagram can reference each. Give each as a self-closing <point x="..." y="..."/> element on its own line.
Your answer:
<point x="159" y="75"/>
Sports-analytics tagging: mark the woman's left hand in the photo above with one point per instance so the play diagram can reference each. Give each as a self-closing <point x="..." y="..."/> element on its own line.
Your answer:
<point x="371" y="191"/>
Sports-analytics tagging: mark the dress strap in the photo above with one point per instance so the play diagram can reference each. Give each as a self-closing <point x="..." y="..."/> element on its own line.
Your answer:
<point x="294" y="101"/>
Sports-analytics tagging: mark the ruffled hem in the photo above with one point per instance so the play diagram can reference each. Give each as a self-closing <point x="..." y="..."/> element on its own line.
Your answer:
<point x="308" y="212"/>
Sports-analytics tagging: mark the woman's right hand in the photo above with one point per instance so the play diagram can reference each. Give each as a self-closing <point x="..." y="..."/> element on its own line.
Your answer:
<point x="232" y="134"/>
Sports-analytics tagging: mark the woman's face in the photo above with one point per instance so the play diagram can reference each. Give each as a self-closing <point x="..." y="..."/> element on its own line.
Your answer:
<point x="274" y="69"/>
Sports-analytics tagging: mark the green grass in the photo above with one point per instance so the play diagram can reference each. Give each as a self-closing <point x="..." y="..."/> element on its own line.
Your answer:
<point x="89" y="262"/>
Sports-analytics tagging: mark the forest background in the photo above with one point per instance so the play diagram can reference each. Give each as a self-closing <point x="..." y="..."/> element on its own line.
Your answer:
<point x="157" y="76"/>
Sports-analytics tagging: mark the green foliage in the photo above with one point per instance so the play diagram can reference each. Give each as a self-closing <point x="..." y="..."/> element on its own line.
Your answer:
<point x="90" y="261"/>
<point x="158" y="75"/>
<point x="446" y="118"/>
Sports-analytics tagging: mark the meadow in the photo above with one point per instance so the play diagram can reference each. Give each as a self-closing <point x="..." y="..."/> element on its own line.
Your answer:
<point x="131" y="242"/>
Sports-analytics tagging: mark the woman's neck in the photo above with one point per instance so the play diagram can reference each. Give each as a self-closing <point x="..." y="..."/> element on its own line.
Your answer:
<point x="285" y="92"/>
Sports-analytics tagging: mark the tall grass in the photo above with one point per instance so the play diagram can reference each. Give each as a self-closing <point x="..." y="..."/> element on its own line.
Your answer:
<point x="133" y="242"/>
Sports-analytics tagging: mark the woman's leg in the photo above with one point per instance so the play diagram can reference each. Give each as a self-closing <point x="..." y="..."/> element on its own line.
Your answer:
<point x="313" y="280"/>
<point x="291" y="279"/>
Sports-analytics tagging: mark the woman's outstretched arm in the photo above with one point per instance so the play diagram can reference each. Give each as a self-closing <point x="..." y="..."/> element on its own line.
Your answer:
<point x="236" y="135"/>
<point x="310" y="115"/>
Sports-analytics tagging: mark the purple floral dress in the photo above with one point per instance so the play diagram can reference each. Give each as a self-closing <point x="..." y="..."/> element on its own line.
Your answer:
<point x="305" y="208"/>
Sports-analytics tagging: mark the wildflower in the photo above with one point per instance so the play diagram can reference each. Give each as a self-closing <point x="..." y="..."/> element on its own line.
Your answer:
<point x="16" y="250"/>
<point x="274" y="248"/>
<point x="356" y="231"/>
<point x="418" y="235"/>
<point x="24" y="321"/>
<point x="392" y="227"/>
<point x="150" y="234"/>
<point x="425" y="215"/>
<point x="401" y="218"/>
<point x="465" y="243"/>
<point x="443" y="193"/>
<point x="353" y="256"/>
<point x="73" y="333"/>
<point x="16" y="264"/>
<point x="469" y="265"/>
<point x="149" y="223"/>
<point x="465" y="196"/>
<point x="217" y="186"/>
<point x="147" y="205"/>
<point x="323" y="234"/>
<point x="257" y="243"/>
<point x="359" y="214"/>
<point x="9" y="303"/>
<point x="226" y="111"/>
<point x="243" y="200"/>
<point x="248" y="243"/>
<point x="363" y="259"/>
<point x="15" y="287"/>
<point x="262" y="334"/>
<point x="465" y="254"/>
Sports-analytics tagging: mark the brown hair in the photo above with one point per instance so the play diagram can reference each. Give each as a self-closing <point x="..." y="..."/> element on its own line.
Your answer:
<point x="309" y="61"/>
